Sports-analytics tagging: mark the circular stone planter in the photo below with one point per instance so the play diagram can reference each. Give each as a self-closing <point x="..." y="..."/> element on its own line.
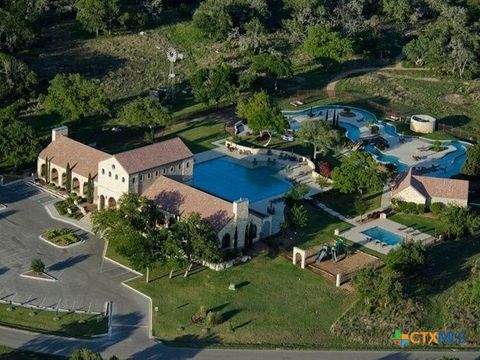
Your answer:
<point x="424" y="124"/>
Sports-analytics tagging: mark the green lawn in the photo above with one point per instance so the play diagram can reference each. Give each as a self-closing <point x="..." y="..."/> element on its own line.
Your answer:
<point x="67" y="324"/>
<point x="320" y="228"/>
<point x="14" y="354"/>
<point x="424" y="223"/>
<point x="198" y="136"/>
<point x="276" y="304"/>
<point x="344" y="203"/>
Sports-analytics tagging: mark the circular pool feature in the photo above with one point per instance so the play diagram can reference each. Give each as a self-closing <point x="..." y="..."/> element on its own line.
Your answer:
<point x="424" y="124"/>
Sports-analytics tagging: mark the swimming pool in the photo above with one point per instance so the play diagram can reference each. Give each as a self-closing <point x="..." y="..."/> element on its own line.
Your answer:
<point x="379" y="233"/>
<point x="227" y="179"/>
<point x="449" y="165"/>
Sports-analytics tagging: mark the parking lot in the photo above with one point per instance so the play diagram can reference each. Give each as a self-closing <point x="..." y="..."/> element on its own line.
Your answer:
<point x="84" y="280"/>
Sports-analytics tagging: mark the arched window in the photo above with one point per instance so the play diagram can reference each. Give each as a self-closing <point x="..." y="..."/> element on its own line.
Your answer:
<point x="123" y="180"/>
<point x="103" y="171"/>
<point x="156" y="173"/>
<point x="109" y="174"/>
<point x="226" y="241"/>
<point x="116" y="177"/>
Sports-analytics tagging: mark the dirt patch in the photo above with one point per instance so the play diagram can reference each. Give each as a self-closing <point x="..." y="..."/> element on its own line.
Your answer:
<point x="455" y="99"/>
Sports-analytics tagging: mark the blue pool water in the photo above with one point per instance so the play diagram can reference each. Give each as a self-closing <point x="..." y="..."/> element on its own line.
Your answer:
<point x="450" y="165"/>
<point x="378" y="233"/>
<point x="231" y="181"/>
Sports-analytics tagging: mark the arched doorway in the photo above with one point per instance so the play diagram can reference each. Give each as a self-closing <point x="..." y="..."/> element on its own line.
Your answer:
<point x="43" y="170"/>
<point x="54" y="176"/>
<point x="226" y="241"/>
<point x="64" y="179"/>
<point x="76" y="185"/>
<point x="101" y="203"/>
<point x="85" y="188"/>
<point x="112" y="203"/>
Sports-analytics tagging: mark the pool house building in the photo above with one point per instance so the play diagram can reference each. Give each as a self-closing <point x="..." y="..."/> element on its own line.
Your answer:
<point x="163" y="172"/>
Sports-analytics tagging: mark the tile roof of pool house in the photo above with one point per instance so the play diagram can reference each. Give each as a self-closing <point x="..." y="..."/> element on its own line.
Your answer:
<point x="426" y="190"/>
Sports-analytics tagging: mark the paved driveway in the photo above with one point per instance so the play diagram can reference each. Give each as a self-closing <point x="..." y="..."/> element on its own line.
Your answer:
<point x="85" y="282"/>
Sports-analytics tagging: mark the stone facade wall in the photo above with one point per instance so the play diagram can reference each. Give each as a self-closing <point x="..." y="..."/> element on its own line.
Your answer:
<point x="180" y="171"/>
<point x="447" y="201"/>
<point x="112" y="180"/>
<point x="81" y="189"/>
<point x="410" y="195"/>
<point x="423" y="127"/>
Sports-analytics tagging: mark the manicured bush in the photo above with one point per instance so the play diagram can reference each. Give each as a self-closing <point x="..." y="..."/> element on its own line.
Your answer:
<point x="37" y="266"/>
<point x="408" y="207"/>
<point x="437" y="208"/>
<point x="213" y="318"/>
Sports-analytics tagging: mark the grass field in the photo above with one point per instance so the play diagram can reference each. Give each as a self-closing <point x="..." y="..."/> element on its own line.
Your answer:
<point x="344" y="203"/>
<point x="68" y="324"/>
<point x="424" y="223"/>
<point x="276" y="304"/>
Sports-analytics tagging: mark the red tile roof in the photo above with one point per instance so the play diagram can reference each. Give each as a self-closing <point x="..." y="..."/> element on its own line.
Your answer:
<point x="181" y="199"/>
<point x="82" y="158"/>
<point x="432" y="186"/>
<point x="152" y="156"/>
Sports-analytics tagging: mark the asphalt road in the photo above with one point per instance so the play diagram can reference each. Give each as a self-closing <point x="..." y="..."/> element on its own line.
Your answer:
<point x="86" y="281"/>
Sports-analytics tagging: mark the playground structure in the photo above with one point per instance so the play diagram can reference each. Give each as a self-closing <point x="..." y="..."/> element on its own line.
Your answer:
<point x="332" y="250"/>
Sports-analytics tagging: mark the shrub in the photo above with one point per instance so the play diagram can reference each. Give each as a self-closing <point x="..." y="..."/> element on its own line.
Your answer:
<point x="213" y="318"/>
<point x="374" y="129"/>
<point x="324" y="169"/>
<point x="437" y="208"/>
<point x="37" y="266"/>
<point x="408" y="207"/>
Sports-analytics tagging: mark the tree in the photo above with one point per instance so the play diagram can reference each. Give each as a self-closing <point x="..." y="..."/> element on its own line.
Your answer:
<point x="16" y="24"/>
<point x="85" y="354"/>
<point x="261" y="114"/>
<point x="399" y="10"/>
<point x="37" y="266"/>
<point x="199" y="239"/>
<point x="144" y="112"/>
<point x="321" y="42"/>
<point x="18" y="143"/>
<point x="298" y="217"/>
<point x="358" y="172"/>
<point x="458" y="221"/>
<point x="472" y="164"/>
<point x="274" y="65"/>
<point x="96" y="15"/>
<point x="68" y="185"/>
<point x="211" y="85"/>
<point x="295" y="195"/>
<point x="174" y="256"/>
<point x="74" y="97"/>
<point x="90" y="189"/>
<point x="406" y="258"/>
<point x="16" y="79"/>
<point x="320" y="135"/>
<point x="304" y="14"/>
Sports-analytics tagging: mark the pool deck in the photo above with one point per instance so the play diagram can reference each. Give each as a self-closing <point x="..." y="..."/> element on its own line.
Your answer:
<point x="355" y="234"/>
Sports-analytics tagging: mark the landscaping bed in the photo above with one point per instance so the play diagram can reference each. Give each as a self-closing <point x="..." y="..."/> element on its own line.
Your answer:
<point x="44" y="321"/>
<point x="61" y="237"/>
<point x="63" y="209"/>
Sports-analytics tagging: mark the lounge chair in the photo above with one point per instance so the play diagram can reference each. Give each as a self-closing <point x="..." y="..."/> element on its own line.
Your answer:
<point x="384" y="244"/>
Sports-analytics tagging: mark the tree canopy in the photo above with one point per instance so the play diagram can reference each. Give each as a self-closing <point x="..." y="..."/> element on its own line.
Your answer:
<point x="143" y="112"/>
<point x="73" y="97"/>
<point x="274" y="65"/>
<point x="323" y="43"/>
<point x="358" y="172"/>
<point x="211" y="85"/>
<point x="261" y="114"/>
<point x="16" y="78"/>
<point x="97" y="15"/>
<point x="472" y="164"/>
<point x="321" y="135"/>
<point x="458" y="221"/>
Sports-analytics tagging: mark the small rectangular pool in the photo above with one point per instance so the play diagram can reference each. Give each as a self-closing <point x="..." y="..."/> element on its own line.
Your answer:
<point x="378" y="233"/>
<point x="227" y="179"/>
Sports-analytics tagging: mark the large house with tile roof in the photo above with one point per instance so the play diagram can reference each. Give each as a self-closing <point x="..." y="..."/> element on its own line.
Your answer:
<point x="426" y="190"/>
<point x="162" y="172"/>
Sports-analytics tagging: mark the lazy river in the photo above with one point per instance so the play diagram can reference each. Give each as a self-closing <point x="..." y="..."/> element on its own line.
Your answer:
<point x="403" y="151"/>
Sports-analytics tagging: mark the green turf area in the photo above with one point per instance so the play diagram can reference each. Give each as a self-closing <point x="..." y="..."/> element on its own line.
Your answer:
<point x="454" y="102"/>
<point x="424" y="223"/>
<point x="66" y="324"/>
<point x="320" y="228"/>
<point x="14" y="354"/>
<point x="276" y="304"/>
<point x="344" y="203"/>
<point x="198" y="136"/>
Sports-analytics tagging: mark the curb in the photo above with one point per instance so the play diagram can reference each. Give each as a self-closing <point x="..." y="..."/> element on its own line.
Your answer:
<point x="50" y="279"/>
<point x="62" y="219"/>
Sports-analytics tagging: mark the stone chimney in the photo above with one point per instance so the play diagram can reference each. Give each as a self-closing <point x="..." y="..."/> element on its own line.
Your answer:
<point x="59" y="131"/>
<point x="240" y="209"/>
